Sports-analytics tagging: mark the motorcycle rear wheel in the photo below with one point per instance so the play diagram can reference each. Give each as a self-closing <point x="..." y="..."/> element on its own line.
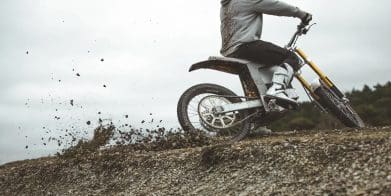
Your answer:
<point x="189" y="117"/>
<point x="340" y="108"/>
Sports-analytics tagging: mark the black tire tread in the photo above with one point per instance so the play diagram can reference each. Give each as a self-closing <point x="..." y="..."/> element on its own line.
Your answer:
<point x="325" y="100"/>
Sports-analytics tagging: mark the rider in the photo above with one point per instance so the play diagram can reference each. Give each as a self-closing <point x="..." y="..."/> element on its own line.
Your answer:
<point x="241" y="28"/>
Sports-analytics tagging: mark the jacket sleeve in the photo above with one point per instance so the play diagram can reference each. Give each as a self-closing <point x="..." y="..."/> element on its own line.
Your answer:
<point x="277" y="8"/>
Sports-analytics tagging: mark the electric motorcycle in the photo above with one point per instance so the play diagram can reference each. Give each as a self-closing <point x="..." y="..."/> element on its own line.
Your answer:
<point x="217" y="110"/>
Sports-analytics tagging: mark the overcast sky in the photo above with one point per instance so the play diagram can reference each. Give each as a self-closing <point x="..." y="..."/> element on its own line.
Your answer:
<point x="147" y="47"/>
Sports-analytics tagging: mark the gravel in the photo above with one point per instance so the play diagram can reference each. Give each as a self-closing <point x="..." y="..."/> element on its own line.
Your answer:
<point x="334" y="162"/>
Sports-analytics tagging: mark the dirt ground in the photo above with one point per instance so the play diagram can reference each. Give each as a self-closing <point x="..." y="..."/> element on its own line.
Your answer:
<point x="334" y="162"/>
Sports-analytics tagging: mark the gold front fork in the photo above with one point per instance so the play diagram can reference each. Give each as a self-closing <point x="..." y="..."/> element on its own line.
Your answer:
<point x="316" y="69"/>
<point x="321" y="75"/>
<point x="306" y="85"/>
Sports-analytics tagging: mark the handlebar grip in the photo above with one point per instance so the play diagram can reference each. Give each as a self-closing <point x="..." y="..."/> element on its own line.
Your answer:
<point x="307" y="19"/>
<point x="301" y="26"/>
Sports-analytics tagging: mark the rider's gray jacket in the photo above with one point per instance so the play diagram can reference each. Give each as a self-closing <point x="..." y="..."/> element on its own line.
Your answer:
<point x="241" y="20"/>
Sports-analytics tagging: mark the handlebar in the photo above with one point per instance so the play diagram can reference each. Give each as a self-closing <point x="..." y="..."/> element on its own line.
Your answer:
<point x="302" y="29"/>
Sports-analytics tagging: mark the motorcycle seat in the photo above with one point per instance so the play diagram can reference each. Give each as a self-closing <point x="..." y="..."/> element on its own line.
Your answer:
<point x="229" y="59"/>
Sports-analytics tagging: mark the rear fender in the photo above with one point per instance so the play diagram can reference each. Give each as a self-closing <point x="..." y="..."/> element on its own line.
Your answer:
<point x="223" y="64"/>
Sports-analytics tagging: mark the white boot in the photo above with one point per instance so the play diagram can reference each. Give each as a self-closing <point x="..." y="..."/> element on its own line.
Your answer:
<point x="281" y="79"/>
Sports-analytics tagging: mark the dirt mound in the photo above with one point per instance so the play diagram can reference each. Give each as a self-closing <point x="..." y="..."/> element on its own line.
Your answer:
<point x="137" y="140"/>
<point x="342" y="162"/>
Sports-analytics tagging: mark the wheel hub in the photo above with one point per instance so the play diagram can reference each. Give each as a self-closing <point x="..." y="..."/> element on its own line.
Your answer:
<point x="210" y="111"/>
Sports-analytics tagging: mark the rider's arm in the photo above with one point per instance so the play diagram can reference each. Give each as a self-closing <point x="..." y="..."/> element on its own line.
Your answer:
<point x="277" y="8"/>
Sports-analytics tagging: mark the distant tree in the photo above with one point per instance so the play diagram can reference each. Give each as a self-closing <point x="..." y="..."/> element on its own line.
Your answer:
<point x="301" y="123"/>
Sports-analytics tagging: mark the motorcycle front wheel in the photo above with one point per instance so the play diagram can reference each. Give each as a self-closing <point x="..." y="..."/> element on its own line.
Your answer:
<point x="339" y="107"/>
<point x="195" y="108"/>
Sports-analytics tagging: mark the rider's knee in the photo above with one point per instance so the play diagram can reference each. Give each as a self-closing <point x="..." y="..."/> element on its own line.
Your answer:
<point x="293" y="61"/>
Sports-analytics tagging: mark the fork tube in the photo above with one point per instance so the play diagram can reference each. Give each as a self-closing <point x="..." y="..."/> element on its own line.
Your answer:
<point x="303" y="82"/>
<point x="306" y="85"/>
<point x="322" y="76"/>
<point x="315" y="68"/>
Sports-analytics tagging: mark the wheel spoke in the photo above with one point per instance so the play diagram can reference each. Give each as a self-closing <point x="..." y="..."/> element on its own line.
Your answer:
<point x="229" y="117"/>
<point x="223" y="123"/>
<point x="205" y="116"/>
<point x="213" y="121"/>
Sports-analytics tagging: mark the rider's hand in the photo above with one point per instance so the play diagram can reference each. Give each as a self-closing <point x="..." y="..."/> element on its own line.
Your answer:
<point x="306" y="18"/>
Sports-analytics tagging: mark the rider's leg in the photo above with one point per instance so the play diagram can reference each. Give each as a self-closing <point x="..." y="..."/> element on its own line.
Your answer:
<point x="267" y="54"/>
<point x="270" y="55"/>
<point x="293" y="61"/>
<point x="281" y="79"/>
<point x="261" y="52"/>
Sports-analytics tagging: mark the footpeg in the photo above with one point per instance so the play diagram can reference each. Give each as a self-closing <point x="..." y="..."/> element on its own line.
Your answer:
<point x="273" y="102"/>
<point x="273" y="106"/>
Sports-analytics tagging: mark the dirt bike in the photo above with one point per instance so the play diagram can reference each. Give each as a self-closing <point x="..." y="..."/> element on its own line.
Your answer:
<point x="217" y="110"/>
